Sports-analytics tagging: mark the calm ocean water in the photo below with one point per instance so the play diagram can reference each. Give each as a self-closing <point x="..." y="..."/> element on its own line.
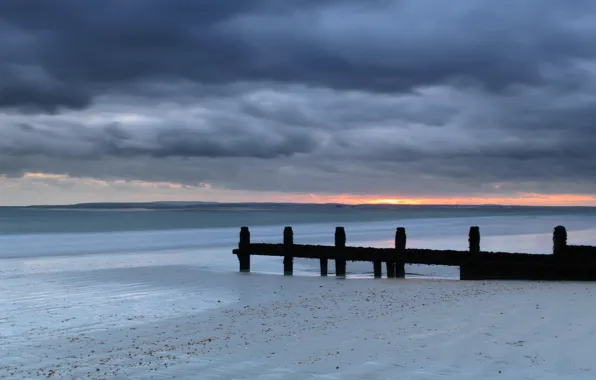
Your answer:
<point x="210" y="232"/>
<point x="14" y="220"/>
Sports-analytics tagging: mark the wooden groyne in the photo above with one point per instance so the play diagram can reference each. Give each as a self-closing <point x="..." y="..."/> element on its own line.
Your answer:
<point x="566" y="262"/>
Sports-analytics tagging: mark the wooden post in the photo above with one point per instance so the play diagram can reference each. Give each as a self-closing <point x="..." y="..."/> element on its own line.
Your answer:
<point x="324" y="264"/>
<point x="340" y="258"/>
<point x="559" y="241"/>
<point x="400" y="252"/>
<point x="288" y="258"/>
<point x="391" y="263"/>
<point x="474" y="239"/>
<point x="243" y="253"/>
<point x="391" y="260"/>
<point x="377" y="266"/>
<point x="468" y="265"/>
<point x="391" y="267"/>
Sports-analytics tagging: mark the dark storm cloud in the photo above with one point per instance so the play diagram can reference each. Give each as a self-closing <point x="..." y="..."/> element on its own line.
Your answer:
<point x="82" y="49"/>
<point x="217" y="141"/>
<point x="387" y="96"/>
<point x="306" y="140"/>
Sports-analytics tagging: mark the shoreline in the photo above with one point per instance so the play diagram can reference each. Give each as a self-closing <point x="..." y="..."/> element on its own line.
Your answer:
<point x="272" y="326"/>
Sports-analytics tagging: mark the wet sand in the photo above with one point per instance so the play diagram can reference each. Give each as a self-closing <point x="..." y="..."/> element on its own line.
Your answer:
<point x="144" y="318"/>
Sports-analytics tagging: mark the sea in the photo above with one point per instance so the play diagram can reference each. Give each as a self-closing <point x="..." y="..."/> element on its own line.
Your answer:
<point x="204" y="234"/>
<point x="96" y="289"/>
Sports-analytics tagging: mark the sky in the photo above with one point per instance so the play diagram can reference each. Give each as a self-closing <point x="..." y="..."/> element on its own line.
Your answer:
<point x="397" y="101"/>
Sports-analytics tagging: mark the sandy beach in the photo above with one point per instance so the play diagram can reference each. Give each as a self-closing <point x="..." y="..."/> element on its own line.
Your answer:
<point x="143" y="142"/>
<point x="78" y="317"/>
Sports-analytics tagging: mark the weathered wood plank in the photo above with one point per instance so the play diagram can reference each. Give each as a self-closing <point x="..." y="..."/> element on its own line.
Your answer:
<point x="567" y="262"/>
<point x="411" y="255"/>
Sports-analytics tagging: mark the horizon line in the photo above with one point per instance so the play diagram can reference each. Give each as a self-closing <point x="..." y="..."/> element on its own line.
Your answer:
<point x="190" y="203"/>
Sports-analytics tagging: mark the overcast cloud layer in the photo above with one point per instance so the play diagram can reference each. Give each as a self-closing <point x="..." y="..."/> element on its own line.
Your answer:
<point x="405" y="97"/>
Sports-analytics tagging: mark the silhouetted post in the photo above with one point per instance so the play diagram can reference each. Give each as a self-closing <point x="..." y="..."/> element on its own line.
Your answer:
<point x="390" y="264"/>
<point x="244" y="254"/>
<point x="559" y="241"/>
<point x="474" y="239"/>
<point x="288" y="258"/>
<point x="324" y="264"/>
<point x="400" y="252"/>
<point x="377" y="266"/>
<point x="391" y="260"/>
<point x="468" y="269"/>
<point x="340" y="254"/>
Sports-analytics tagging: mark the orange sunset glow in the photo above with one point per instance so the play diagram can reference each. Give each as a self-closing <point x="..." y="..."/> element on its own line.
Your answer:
<point x="90" y="189"/>
<point x="521" y="199"/>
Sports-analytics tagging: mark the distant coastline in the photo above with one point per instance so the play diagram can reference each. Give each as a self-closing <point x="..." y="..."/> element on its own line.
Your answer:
<point x="174" y="205"/>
